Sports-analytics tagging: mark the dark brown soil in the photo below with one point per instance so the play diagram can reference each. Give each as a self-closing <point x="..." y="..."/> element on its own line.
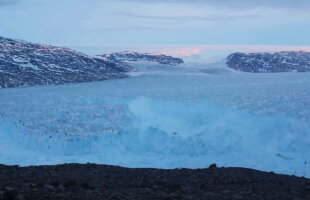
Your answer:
<point x="95" y="182"/>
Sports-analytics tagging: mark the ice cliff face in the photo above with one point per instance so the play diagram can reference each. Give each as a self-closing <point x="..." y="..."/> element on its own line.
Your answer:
<point x="135" y="56"/>
<point x="27" y="64"/>
<point x="286" y="61"/>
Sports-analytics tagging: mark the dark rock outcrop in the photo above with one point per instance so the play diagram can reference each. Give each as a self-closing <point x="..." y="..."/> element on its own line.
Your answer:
<point x="286" y="61"/>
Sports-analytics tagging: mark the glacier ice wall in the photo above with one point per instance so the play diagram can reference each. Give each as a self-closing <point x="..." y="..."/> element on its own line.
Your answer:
<point x="146" y="132"/>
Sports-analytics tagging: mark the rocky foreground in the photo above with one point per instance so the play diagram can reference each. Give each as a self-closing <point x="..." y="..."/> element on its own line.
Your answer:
<point x="90" y="181"/>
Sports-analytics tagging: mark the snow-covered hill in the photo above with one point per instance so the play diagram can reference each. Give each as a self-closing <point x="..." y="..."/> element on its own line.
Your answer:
<point x="27" y="64"/>
<point x="128" y="56"/>
<point x="286" y="61"/>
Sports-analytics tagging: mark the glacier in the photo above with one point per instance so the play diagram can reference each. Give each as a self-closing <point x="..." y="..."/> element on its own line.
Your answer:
<point x="164" y="117"/>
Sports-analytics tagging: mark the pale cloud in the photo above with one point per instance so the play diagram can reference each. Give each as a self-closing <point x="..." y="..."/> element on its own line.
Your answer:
<point x="135" y="28"/>
<point x="157" y="22"/>
<point x="183" y="18"/>
<point x="8" y="2"/>
<point x="237" y="3"/>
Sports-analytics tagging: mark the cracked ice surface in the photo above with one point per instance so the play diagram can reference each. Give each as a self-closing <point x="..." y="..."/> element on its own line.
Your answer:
<point x="183" y="119"/>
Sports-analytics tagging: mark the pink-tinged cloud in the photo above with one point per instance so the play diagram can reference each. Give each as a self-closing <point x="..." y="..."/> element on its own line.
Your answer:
<point x="189" y="50"/>
<point x="185" y="50"/>
<point x="255" y="48"/>
<point x="181" y="51"/>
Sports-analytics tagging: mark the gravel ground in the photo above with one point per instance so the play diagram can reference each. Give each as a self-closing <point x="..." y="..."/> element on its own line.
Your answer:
<point x="93" y="182"/>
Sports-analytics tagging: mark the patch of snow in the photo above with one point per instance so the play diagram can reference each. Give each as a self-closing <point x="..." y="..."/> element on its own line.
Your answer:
<point x="54" y="66"/>
<point x="29" y="65"/>
<point x="20" y="59"/>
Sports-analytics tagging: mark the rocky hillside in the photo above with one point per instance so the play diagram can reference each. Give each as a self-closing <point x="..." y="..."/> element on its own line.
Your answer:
<point x="286" y="61"/>
<point x="90" y="181"/>
<point x="132" y="56"/>
<point x="27" y="64"/>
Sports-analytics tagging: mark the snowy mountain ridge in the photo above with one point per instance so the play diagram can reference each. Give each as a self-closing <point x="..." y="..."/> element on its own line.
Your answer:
<point x="26" y="64"/>
<point x="132" y="56"/>
<point x="285" y="61"/>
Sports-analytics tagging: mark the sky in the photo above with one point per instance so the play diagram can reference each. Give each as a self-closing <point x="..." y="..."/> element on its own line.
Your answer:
<point x="167" y="22"/>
